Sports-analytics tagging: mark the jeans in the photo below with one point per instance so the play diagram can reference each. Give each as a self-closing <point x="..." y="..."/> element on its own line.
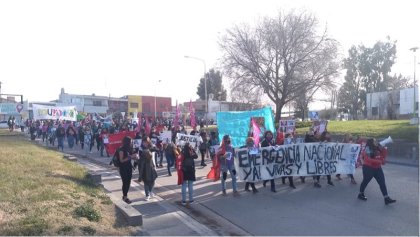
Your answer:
<point x="190" y="190"/>
<point x="170" y="160"/>
<point x="224" y="175"/>
<point x="148" y="187"/>
<point x="60" y="141"/>
<point x="378" y="174"/>
<point x="159" y="154"/>
<point x="70" y="140"/>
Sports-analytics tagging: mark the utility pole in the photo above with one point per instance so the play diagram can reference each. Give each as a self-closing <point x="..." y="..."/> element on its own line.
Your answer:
<point x="414" y="86"/>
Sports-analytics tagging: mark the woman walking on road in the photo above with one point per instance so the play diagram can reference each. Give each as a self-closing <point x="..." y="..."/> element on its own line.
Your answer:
<point x="373" y="159"/>
<point x="125" y="154"/>
<point x="147" y="169"/>
<point x="188" y="156"/>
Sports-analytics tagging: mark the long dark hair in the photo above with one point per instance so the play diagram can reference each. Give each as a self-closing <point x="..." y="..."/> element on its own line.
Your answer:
<point x="186" y="151"/>
<point x="126" y="143"/>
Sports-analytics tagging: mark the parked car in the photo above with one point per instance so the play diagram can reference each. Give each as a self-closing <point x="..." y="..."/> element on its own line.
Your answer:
<point x="3" y="124"/>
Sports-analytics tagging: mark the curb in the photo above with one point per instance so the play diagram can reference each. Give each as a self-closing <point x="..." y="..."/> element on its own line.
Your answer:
<point x="403" y="163"/>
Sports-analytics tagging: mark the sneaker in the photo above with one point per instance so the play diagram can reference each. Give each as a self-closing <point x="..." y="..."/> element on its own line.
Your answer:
<point x="362" y="196"/>
<point x="317" y="185"/>
<point x="330" y="183"/>
<point x="292" y="186"/>
<point x="184" y="203"/>
<point x="126" y="200"/>
<point x="353" y="181"/>
<point x="255" y="191"/>
<point x="224" y="192"/>
<point x="388" y="200"/>
<point x="152" y="195"/>
<point x="192" y="201"/>
<point x="273" y="190"/>
<point x="147" y="198"/>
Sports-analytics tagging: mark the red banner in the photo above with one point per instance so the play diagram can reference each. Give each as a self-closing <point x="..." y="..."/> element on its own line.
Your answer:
<point x="115" y="141"/>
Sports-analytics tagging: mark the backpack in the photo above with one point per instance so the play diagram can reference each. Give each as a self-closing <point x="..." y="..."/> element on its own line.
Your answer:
<point x="115" y="159"/>
<point x="188" y="164"/>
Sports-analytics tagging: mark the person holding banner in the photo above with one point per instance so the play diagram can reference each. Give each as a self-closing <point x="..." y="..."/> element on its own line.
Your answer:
<point x="325" y="137"/>
<point x="347" y="139"/>
<point x="373" y="159"/>
<point x="269" y="141"/>
<point x="287" y="141"/>
<point x="251" y="146"/>
<point x="226" y="156"/>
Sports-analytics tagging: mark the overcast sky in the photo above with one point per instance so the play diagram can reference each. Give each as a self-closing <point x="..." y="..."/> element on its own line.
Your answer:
<point x="125" y="47"/>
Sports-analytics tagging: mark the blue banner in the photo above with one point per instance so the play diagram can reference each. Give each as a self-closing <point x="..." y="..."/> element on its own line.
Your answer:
<point x="237" y="124"/>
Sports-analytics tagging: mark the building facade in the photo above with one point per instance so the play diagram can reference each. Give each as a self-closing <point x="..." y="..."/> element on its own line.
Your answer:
<point x="397" y="104"/>
<point x="85" y="103"/>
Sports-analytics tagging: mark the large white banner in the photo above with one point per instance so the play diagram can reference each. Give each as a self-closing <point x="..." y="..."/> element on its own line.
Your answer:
<point x="68" y="113"/>
<point x="304" y="159"/>
<point x="194" y="141"/>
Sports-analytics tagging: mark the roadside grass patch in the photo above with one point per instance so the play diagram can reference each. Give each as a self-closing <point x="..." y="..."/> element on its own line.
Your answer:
<point x="40" y="193"/>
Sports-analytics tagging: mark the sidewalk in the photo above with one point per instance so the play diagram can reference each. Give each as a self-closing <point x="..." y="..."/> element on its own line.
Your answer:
<point x="162" y="215"/>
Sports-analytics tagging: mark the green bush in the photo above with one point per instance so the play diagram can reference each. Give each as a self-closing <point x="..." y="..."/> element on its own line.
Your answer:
<point x="86" y="210"/>
<point x="303" y="124"/>
<point x="87" y="230"/>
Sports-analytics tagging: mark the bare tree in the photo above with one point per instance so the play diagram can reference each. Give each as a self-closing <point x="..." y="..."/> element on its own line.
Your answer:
<point x="282" y="56"/>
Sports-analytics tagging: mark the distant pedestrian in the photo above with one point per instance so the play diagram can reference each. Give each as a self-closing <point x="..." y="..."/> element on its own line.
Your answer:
<point x="60" y="133"/>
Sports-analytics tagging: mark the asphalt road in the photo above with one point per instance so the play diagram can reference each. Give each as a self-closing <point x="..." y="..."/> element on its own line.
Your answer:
<point x="330" y="210"/>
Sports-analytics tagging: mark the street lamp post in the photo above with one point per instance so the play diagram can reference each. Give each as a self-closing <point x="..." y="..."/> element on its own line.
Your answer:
<point x="414" y="86"/>
<point x="155" y="96"/>
<point x="205" y="84"/>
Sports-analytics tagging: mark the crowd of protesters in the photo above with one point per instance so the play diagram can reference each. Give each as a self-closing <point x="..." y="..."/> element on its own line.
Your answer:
<point x="87" y="133"/>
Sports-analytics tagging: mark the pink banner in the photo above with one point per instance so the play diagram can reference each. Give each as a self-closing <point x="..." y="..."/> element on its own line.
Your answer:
<point x="256" y="132"/>
<point x="192" y="116"/>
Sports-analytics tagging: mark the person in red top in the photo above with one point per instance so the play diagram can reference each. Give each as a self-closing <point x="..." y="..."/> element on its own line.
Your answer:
<point x="373" y="159"/>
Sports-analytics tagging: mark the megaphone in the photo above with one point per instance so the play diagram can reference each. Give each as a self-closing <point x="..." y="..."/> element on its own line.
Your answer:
<point x="386" y="141"/>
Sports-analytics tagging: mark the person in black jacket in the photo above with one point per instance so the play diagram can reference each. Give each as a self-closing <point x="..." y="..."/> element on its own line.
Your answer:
<point x="188" y="171"/>
<point x="269" y="141"/>
<point x="60" y="134"/>
<point x="125" y="155"/>
<point x="147" y="169"/>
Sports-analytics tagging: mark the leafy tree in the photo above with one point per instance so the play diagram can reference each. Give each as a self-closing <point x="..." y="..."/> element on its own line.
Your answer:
<point x="280" y="56"/>
<point x="214" y="86"/>
<point x="368" y="71"/>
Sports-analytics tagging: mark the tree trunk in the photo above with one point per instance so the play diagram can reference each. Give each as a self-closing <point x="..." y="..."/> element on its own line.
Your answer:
<point x="303" y="114"/>
<point x="279" y="107"/>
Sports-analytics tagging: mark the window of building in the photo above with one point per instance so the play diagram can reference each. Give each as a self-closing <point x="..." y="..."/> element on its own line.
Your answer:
<point x="374" y="111"/>
<point x="97" y="103"/>
<point x="134" y="105"/>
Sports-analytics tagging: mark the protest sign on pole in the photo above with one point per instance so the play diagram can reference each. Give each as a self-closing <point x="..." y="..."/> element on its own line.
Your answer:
<point x="304" y="159"/>
<point x="68" y="113"/>
<point x="319" y="126"/>
<point x="287" y="126"/>
<point x="166" y="136"/>
<point x="194" y="141"/>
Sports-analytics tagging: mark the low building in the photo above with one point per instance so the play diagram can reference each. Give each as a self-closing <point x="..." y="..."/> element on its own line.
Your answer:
<point x="396" y="104"/>
<point x="85" y="103"/>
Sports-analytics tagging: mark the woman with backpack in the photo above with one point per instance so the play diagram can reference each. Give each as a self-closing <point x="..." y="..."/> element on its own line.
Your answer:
<point x="147" y="169"/>
<point x="188" y="156"/>
<point x="125" y="155"/>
